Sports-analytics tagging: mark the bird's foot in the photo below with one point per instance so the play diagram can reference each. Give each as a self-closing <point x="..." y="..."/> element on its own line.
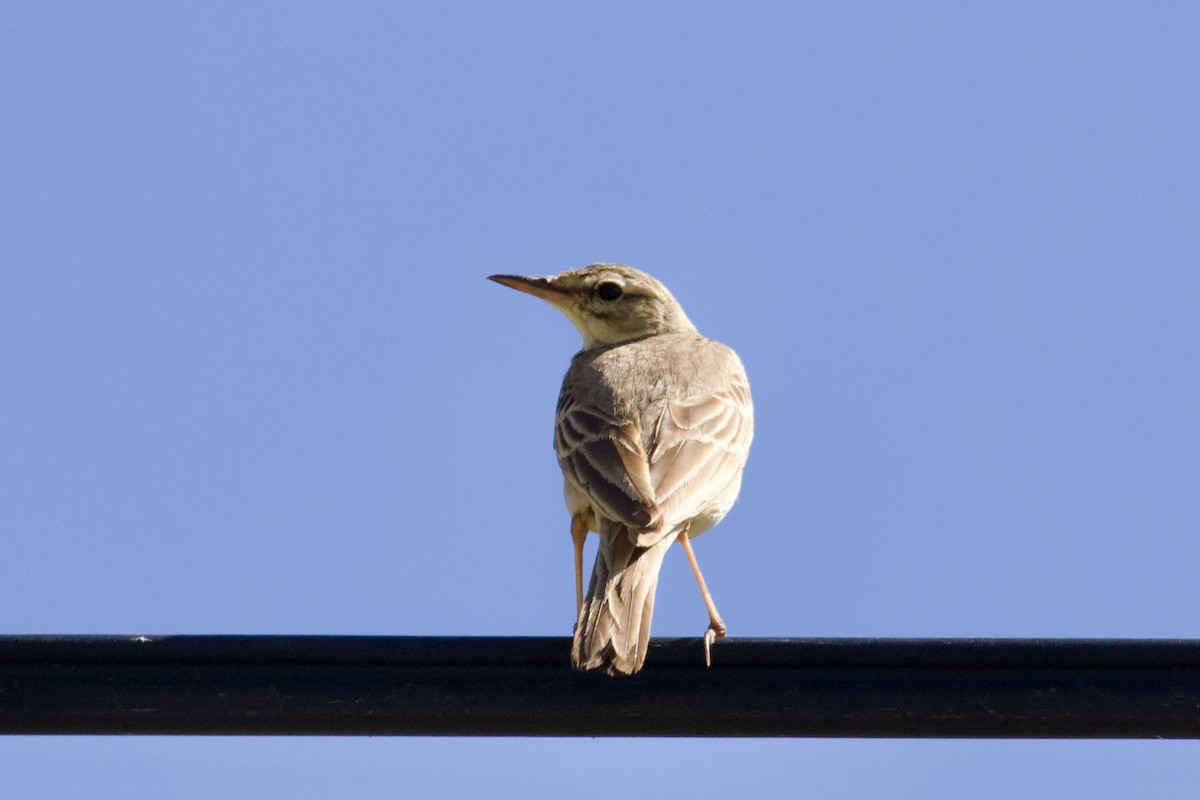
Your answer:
<point x="716" y="630"/>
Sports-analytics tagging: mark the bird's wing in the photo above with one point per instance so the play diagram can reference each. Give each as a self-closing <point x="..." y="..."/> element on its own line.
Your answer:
<point x="604" y="458"/>
<point x="700" y="447"/>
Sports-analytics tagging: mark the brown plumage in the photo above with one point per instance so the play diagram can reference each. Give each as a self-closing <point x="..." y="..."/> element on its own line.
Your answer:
<point x="652" y="431"/>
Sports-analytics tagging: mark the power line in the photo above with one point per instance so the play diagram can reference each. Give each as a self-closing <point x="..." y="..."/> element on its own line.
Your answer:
<point x="978" y="688"/>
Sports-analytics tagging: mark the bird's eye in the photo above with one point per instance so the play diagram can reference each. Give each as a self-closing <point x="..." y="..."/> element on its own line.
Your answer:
<point x="608" y="292"/>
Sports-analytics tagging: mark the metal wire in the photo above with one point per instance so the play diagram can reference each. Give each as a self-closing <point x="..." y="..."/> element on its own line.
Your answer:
<point x="980" y="688"/>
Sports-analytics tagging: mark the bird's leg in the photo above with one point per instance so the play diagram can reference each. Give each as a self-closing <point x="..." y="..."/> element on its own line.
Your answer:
<point x="578" y="535"/>
<point x="716" y="626"/>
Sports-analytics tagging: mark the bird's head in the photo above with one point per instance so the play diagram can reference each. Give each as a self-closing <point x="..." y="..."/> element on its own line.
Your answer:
<point x="608" y="303"/>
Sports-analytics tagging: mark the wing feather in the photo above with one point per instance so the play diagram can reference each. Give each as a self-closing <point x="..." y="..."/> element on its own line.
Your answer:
<point x="700" y="450"/>
<point x="603" y="457"/>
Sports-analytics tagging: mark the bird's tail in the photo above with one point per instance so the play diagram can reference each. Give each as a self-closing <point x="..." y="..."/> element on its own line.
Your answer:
<point x="613" y="630"/>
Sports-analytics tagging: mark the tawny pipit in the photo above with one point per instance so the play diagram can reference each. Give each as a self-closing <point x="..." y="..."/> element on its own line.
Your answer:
<point x="653" y="428"/>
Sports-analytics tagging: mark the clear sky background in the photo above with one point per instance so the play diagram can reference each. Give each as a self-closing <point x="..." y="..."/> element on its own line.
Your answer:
<point x="252" y="379"/>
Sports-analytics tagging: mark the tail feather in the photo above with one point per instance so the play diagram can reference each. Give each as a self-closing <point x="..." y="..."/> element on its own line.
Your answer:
<point x="613" y="630"/>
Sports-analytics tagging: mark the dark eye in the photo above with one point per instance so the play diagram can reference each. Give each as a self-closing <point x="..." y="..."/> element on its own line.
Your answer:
<point x="608" y="292"/>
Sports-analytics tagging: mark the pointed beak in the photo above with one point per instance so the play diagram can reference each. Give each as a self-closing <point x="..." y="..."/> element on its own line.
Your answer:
<point x="542" y="287"/>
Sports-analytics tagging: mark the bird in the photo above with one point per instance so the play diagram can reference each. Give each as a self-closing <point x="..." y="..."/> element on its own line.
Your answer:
<point x="652" y="431"/>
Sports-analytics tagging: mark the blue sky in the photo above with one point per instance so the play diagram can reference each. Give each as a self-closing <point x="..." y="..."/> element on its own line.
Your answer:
<point x="255" y="381"/>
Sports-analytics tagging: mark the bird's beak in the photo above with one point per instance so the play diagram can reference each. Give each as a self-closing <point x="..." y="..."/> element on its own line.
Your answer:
<point x="542" y="287"/>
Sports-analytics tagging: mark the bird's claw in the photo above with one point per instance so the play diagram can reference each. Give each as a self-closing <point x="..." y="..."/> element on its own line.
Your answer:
<point x="716" y="630"/>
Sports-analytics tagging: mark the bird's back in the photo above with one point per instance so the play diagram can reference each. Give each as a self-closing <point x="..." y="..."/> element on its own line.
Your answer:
<point x="682" y="399"/>
<point x="632" y="378"/>
<point x="652" y="436"/>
